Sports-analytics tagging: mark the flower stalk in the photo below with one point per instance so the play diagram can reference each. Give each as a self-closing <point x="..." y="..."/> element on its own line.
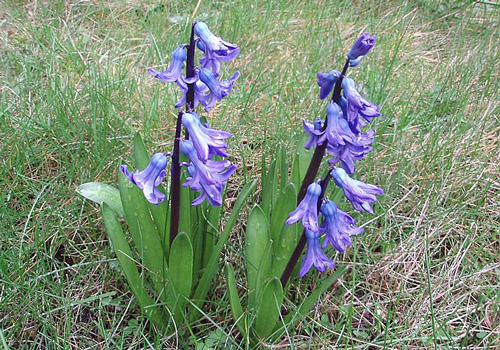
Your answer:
<point x="175" y="183"/>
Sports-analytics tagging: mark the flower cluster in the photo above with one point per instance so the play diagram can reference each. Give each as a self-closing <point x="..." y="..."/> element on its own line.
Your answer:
<point x="341" y="133"/>
<point x="205" y="175"/>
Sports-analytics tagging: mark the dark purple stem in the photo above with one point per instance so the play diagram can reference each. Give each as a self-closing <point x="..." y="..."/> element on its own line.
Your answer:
<point x="175" y="184"/>
<point x="311" y="173"/>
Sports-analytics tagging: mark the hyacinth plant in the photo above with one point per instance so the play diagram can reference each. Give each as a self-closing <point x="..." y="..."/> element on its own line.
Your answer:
<point x="175" y="232"/>
<point x="274" y="239"/>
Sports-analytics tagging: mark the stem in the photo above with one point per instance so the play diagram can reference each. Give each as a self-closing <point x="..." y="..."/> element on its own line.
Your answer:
<point x="190" y="72"/>
<point x="175" y="184"/>
<point x="308" y="179"/>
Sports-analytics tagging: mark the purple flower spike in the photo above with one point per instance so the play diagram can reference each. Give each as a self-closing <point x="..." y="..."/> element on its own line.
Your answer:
<point x="149" y="178"/>
<point x="338" y="226"/>
<point x="218" y="89"/>
<point x="174" y="72"/>
<point x="357" y="192"/>
<point x="314" y="130"/>
<point x="362" y="47"/>
<point x="314" y="255"/>
<point x="216" y="50"/>
<point x="200" y="89"/>
<point x="307" y="210"/>
<point x="357" y="104"/>
<point x="326" y="81"/>
<point x="337" y="130"/>
<point x="206" y="141"/>
<point x="209" y="178"/>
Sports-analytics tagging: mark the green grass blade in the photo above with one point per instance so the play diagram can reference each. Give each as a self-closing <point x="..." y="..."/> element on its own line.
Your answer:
<point x="211" y="269"/>
<point x="294" y="317"/>
<point x="124" y="254"/>
<point x="234" y="300"/>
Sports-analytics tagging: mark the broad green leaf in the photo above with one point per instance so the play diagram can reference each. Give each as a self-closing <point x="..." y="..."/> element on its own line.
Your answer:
<point x="213" y="226"/>
<point x="144" y="233"/>
<point x="294" y="317"/>
<point x="102" y="193"/>
<point x="160" y="211"/>
<point x="269" y="308"/>
<point x="268" y="189"/>
<point x="211" y="269"/>
<point x="283" y="167"/>
<point x="284" y="247"/>
<point x="234" y="300"/>
<point x="304" y="156"/>
<point x="181" y="275"/>
<point x="256" y="240"/>
<point x="125" y="256"/>
<point x="263" y="275"/>
<point x="295" y="175"/>
<point x="185" y="223"/>
<point x="285" y="204"/>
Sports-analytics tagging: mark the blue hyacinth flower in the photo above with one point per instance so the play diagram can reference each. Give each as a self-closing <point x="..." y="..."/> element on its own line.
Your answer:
<point x="174" y="72"/>
<point x="357" y="104"/>
<point x="363" y="45"/>
<point x="315" y="130"/>
<point x="209" y="178"/>
<point x="207" y="142"/>
<point x="218" y="89"/>
<point x="338" y="226"/>
<point x="351" y="152"/>
<point x="337" y="131"/>
<point x="216" y="50"/>
<point x="326" y="82"/>
<point x="360" y="195"/>
<point x="314" y="255"/>
<point x="307" y="210"/>
<point x="149" y="178"/>
<point x="211" y="193"/>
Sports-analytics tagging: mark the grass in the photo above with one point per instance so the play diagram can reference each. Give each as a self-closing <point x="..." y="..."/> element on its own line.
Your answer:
<point x="75" y="89"/>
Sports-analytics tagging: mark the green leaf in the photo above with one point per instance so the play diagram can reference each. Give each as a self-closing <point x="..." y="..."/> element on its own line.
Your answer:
<point x="125" y="256"/>
<point x="144" y="233"/>
<point x="285" y="204"/>
<point x="256" y="240"/>
<point x="102" y="193"/>
<point x="234" y="300"/>
<point x="268" y="189"/>
<point x="160" y="211"/>
<point x="295" y="175"/>
<point x="269" y="308"/>
<point x="185" y="222"/>
<point x="304" y="156"/>
<point x="211" y="269"/>
<point x="181" y="275"/>
<point x="284" y="247"/>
